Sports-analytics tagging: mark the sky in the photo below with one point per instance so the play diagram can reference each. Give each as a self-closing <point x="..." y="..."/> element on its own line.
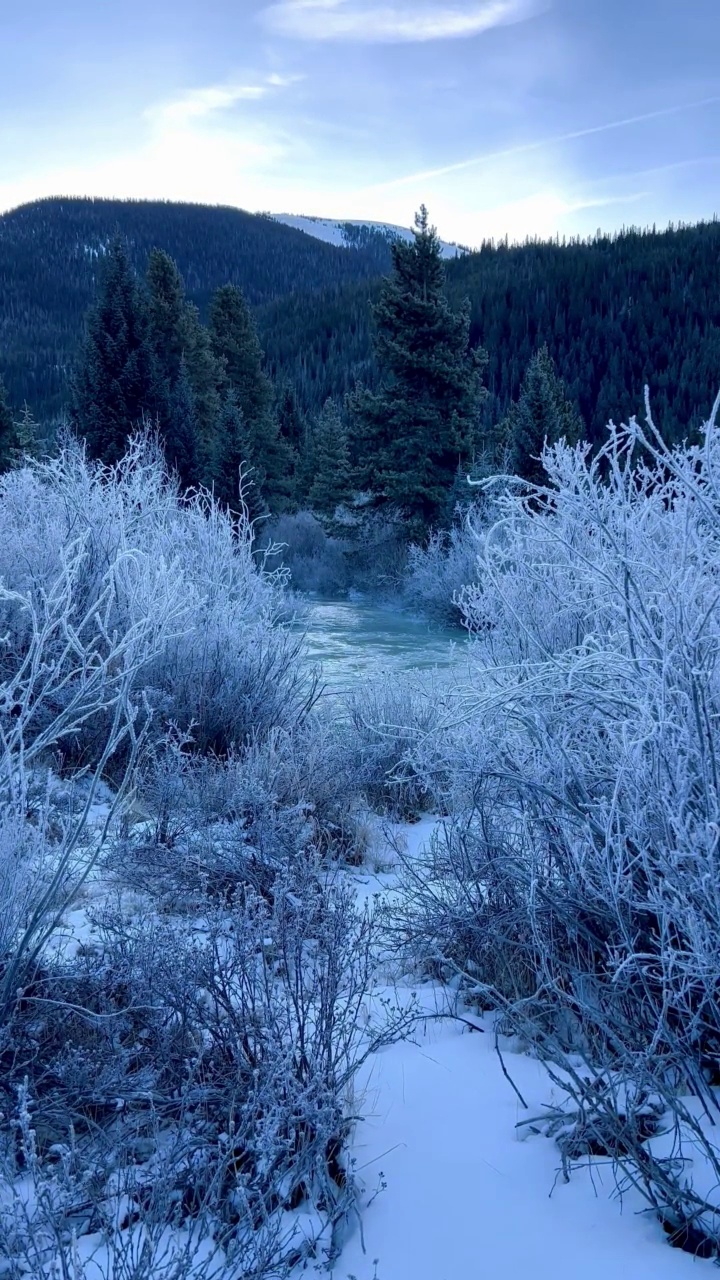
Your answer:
<point x="505" y="117"/>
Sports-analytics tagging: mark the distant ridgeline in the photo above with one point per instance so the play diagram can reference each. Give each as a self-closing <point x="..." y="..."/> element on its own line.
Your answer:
<point x="51" y="255"/>
<point x="615" y="312"/>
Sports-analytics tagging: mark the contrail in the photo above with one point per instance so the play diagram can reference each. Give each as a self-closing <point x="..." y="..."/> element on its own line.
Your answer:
<point x="524" y="147"/>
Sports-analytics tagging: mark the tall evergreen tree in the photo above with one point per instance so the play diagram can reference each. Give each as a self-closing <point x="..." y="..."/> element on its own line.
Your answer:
<point x="180" y="435"/>
<point x="166" y="313"/>
<point x="543" y="412"/>
<point x="206" y="375"/>
<point x="116" y="384"/>
<point x="236" y="344"/>
<point x="179" y="338"/>
<point x="293" y="428"/>
<point x="291" y="419"/>
<point x="411" y="435"/>
<point x="330" y="460"/>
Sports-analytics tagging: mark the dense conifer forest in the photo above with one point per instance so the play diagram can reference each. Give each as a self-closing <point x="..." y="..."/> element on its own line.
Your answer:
<point x="614" y="313"/>
<point x="51" y="256"/>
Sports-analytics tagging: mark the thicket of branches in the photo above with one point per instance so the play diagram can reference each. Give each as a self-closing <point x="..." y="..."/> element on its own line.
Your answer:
<point x="176" y="1076"/>
<point x="576" y="886"/>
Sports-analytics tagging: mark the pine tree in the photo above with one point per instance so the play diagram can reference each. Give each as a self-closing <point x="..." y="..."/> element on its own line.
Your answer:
<point x="330" y="459"/>
<point x="293" y="429"/>
<point x="305" y="466"/>
<point x="291" y="419"/>
<point x="180" y="434"/>
<point x="166" y="313"/>
<point x="411" y="436"/>
<point x="116" y="384"/>
<point x="178" y="336"/>
<point x="236" y="344"/>
<point x="543" y="412"/>
<point x="205" y="374"/>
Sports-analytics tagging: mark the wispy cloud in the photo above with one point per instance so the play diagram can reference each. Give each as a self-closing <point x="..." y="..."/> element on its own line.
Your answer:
<point x="541" y="144"/>
<point x="198" y="104"/>
<point x="392" y="23"/>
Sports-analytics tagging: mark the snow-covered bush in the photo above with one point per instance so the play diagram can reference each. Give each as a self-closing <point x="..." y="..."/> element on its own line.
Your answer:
<point x="214" y="826"/>
<point x="579" y="890"/>
<point x="387" y="722"/>
<point x="315" y="559"/>
<point x="118" y="547"/>
<point x="74" y="673"/>
<point x="165" y="1084"/>
<point x="210" y="1060"/>
<point x="438" y="572"/>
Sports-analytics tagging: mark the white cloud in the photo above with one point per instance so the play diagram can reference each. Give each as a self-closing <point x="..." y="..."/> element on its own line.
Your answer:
<point x="406" y="21"/>
<point x="197" y="104"/>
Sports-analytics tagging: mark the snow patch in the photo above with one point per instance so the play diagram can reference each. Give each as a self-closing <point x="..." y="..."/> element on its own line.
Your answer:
<point x="334" y="232"/>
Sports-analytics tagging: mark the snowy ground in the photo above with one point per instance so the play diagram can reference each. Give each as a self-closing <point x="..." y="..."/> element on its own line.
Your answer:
<point x="466" y="1198"/>
<point x="451" y="1190"/>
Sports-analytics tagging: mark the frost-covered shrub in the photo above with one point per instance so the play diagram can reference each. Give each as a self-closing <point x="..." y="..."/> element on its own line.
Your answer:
<point x="377" y="550"/>
<point x="213" y="1061"/>
<point x="315" y="559"/>
<point x="74" y="675"/>
<point x="117" y="549"/>
<point x="178" y="1079"/>
<point x="579" y="889"/>
<point x="387" y="722"/>
<point x="212" y="826"/>
<point x="438" y="572"/>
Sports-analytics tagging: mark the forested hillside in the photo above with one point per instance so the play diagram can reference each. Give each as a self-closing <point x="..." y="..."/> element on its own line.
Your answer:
<point x="615" y="313"/>
<point x="51" y="256"/>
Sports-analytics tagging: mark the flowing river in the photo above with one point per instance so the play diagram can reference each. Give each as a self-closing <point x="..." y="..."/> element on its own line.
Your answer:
<point x="355" y="640"/>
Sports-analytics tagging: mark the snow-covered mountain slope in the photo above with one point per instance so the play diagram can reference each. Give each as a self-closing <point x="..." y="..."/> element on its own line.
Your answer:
<point x="339" y="233"/>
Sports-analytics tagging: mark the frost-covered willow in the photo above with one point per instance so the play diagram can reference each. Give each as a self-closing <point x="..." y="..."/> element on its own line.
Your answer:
<point x="122" y="609"/>
<point x="108" y="550"/>
<point x="176" y="1068"/>
<point x="578" y="881"/>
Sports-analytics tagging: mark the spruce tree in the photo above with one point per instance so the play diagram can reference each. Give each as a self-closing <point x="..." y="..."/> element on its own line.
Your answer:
<point x="543" y="412"/>
<point x="412" y="434"/>
<point x="205" y="374"/>
<point x="293" y="431"/>
<point x="166" y="313"/>
<point x="178" y="336"/>
<point x="330" y="460"/>
<point x="116" y="383"/>
<point x="236" y="344"/>
<point x="180" y="433"/>
<point x="291" y="419"/>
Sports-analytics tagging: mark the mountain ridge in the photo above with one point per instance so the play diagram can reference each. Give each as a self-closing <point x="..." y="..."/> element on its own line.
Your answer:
<point x="338" y="231"/>
<point x="615" y="312"/>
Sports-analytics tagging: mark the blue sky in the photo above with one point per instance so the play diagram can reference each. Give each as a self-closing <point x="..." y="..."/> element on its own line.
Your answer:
<point x="514" y="117"/>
